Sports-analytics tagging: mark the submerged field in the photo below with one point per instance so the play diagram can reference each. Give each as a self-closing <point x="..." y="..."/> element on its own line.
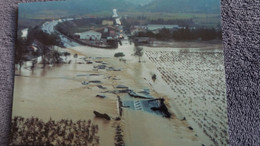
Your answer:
<point x="190" y="80"/>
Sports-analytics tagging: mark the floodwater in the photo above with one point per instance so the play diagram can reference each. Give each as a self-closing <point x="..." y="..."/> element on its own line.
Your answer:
<point x="192" y="82"/>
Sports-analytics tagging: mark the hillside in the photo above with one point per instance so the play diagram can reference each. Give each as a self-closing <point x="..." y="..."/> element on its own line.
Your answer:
<point x="183" y="6"/>
<point x="71" y="7"/>
<point x="140" y="2"/>
<point x="67" y="8"/>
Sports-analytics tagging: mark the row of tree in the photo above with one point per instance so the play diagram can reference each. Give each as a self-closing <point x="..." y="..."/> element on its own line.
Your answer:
<point x="180" y="22"/>
<point x="183" y="34"/>
<point x="143" y="20"/>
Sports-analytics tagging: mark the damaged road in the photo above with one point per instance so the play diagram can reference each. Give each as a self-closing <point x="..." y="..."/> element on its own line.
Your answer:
<point x="142" y="94"/>
<point x="154" y="106"/>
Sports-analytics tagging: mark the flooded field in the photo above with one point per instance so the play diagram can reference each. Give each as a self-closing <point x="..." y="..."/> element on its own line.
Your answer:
<point x="191" y="82"/>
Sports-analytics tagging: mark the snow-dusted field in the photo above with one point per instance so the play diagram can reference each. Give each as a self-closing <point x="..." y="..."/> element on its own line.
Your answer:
<point x="197" y="80"/>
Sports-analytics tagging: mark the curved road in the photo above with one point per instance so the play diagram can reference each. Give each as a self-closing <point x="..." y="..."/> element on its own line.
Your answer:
<point x="49" y="27"/>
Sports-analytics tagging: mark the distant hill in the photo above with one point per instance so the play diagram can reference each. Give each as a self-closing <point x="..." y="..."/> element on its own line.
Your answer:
<point x="75" y="7"/>
<point x="140" y="2"/>
<point x="72" y="7"/>
<point x="183" y="6"/>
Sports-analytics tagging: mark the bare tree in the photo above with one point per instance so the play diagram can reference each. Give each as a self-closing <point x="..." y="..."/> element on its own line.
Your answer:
<point x="20" y="51"/>
<point x="138" y="52"/>
<point x="53" y="56"/>
<point x="119" y="54"/>
<point x="47" y="41"/>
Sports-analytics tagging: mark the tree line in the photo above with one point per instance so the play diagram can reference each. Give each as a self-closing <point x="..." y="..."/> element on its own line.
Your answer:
<point x="180" y="22"/>
<point x="143" y="20"/>
<point x="204" y="34"/>
<point x="38" y="43"/>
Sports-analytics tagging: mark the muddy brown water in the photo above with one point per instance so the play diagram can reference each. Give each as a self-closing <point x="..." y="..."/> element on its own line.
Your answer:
<point x="57" y="92"/>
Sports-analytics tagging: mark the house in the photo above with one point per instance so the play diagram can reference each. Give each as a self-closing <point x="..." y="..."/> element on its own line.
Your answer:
<point x="107" y="32"/>
<point x="144" y="40"/>
<point x="137" y="28"/>
<point x="156" y="27"/>
<point x="89" y="35"/>
<point x="118" y="22"/>
<point x="108" y="22"/>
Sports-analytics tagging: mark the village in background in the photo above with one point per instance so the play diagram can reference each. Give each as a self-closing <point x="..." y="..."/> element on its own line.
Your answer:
<point x="107" y="31"/>
<point x="99" y="73"/>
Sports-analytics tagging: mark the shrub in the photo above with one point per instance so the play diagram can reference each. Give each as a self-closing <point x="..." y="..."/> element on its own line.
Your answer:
<point x="119" y="54"/>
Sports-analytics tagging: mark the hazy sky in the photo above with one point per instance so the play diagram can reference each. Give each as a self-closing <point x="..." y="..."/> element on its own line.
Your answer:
<point x="74" y="7"/>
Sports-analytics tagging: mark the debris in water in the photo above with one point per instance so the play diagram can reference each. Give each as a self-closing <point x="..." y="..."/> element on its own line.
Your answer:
<point x="95" y="81"/>
<point x="123" y="91"/>
<point x="162" y="108"/>
<point x="114" y="69"/>
<point x="156" y="106"/>
<point x="121" y="86"/>
<point x="99" y="61"/>
<point x="120" y="105"/>
<point x="80" y="62"/>
<point x="145" y="91"/>
<point x="101" y="96"/>
<point x="154" y="77"/>
<point x="190" y="128"/>
<point x="115" y="79"/>
<point x="94" y="74"/>
<point x="99" y="115"/>
<point x="81" y="75"/>
<point x="101" y="87"/>
<point x="100" y="67"/>
<point x="134" y="94"/>
<point x="117" y="118"/>
<point x="84" y="83"/>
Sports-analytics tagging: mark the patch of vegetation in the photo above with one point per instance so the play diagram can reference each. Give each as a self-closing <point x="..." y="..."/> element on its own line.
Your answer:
<point x="119" y="54"/>
<point x="35" y="131"/>
<point x="138" y="52"/>
<point x="204" y="34"/>
<point x="43" y="46"/>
